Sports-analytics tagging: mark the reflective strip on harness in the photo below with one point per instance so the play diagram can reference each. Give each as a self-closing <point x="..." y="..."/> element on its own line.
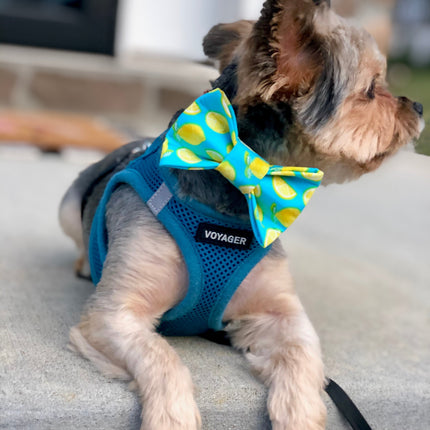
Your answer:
<point x="159" y="199"/>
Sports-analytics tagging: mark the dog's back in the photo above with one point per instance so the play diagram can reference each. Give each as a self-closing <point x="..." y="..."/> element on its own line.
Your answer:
<point x="80" y="201"/>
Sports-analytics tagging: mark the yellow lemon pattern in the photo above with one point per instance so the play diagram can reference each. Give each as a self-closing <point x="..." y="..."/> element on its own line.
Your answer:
<point x="187" y="156"/>
<point x="192" y="134"/>
<point x="246" y="189"/>
<point x="233" y="138"/>
<point x="217" y="123"/>
<point x="308" y="195"/>
<point x="205" y="137"/>
<point x="258" y="213"/>
<point x="313" y="176"/>
<point x="287" y="216"/>
<point x="226" y="105"/>
<point x="259" y="168"/>
<point x="282" y="189"/>
<point x="214" y="155"/>
<point x="271" y="235"/>
<point x="193" y="109"/>
<point x="227" y="170"/>
<point x="165" y="151"/>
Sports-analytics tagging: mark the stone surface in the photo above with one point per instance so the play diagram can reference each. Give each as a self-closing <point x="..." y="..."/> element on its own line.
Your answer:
<point x="172" y="100"/>
<point x="134" y="92"/>
<point x="359" y="255"/>
<point x="57" y="90"/>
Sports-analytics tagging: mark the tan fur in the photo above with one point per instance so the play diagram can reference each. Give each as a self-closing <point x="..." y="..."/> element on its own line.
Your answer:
<point x="269" y="320"/>
<point x="279" y="60"/>
<point x="116" y="331"/>
<point x="364" y="132"/>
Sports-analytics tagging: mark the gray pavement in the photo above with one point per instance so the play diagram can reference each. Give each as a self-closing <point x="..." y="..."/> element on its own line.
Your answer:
<point x="360" y="257"/>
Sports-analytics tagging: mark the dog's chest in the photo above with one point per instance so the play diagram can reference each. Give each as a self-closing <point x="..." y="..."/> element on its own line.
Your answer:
<point x="219" y="251"/>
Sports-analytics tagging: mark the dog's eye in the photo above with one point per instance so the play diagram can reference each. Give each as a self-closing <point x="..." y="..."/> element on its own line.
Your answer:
<point x="370" y="93"/>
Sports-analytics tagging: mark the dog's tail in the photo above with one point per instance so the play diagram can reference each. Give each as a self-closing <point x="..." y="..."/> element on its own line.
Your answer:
<point x="69" y="214"/>
<point x="223" y="41"/>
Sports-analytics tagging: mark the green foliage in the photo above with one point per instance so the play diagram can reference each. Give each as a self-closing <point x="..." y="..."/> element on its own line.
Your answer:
<point x="414" y="84"/>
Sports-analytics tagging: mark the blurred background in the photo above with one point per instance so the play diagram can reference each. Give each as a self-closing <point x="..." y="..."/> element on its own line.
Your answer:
<point x="96" y="73"/>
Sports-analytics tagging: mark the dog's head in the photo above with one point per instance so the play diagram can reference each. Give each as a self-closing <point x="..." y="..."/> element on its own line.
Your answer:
<point x="310" y="89"/>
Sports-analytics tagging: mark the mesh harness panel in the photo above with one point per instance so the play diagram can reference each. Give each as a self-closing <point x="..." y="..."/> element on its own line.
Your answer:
<point x="215" y="272"/>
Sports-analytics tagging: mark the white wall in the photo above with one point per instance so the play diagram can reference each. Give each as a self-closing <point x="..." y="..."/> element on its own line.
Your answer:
<point x="175" y="27"/>
<point x="250" y="9"/>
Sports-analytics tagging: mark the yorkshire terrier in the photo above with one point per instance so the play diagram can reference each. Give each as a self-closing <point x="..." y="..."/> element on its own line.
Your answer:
<point x="308" y="89"/>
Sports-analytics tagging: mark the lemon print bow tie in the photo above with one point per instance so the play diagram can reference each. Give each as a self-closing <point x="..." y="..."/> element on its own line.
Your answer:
<point x="205" y="136"/>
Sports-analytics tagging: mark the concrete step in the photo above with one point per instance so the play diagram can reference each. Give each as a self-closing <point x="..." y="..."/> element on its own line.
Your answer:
<point x="359" y="255"/>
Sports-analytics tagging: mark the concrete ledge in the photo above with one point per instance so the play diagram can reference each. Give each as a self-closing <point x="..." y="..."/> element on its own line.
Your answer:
<point x="359" y="255"/>
<point x="42" y="384"/>
<point x="141" y="93"/>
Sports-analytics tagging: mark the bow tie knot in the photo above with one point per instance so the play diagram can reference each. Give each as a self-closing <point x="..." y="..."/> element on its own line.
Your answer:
<point x="250" y="171"/>
<point x="205" y="136"/>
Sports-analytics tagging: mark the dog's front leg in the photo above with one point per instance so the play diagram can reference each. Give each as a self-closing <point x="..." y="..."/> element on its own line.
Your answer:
<point x="163" y="382"/>
<point x="270" y="325"/>
<point x="121" y="339"/>
<point x="143" y="276"/>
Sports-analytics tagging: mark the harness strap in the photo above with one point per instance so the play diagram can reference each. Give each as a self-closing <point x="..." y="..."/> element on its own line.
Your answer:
<point x="346" y="406"/>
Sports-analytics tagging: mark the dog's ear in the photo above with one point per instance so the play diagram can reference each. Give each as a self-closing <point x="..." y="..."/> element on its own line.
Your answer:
<point x="284" y="54"/>
<point x="222" y="41"/>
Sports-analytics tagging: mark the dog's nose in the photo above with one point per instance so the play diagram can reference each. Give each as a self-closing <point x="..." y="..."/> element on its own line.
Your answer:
<point x="418" y="108"/>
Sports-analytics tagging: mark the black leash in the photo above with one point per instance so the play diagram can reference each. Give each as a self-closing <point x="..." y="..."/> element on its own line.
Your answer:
<point x="346" y="406"/>
<point x="342" y="401"/>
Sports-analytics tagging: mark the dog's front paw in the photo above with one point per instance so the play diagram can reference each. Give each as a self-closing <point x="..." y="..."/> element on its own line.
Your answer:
<point x="180" y="414"/>
<point x="304" y="413"/>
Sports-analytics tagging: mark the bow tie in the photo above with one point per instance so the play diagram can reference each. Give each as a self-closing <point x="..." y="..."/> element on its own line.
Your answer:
<point x="205" y="137"/>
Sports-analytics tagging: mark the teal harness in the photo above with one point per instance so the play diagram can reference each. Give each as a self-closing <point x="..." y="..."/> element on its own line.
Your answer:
<point x="219" y="250"/>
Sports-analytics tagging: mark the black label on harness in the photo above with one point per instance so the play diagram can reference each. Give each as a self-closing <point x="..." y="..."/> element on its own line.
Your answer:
<point x="224" y="236"/>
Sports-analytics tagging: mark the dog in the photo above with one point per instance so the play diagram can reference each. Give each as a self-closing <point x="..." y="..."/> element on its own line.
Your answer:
<point x="309" y="90"/>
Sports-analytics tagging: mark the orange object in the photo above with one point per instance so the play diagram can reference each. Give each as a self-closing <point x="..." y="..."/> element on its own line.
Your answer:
<point x="54" y="131"/>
